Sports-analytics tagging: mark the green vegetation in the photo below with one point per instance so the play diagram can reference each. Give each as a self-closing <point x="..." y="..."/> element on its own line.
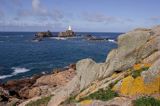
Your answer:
<point x="40" y="102"/>
<point x="137" y="73"/>
<point x="103" y="95"/>
<point x="70" y="100"/>
<point x="146" y="101"/>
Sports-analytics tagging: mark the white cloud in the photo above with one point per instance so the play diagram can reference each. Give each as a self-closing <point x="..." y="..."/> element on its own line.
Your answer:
<point x="38" y="8"/>
<point x="98" y="17"/>
<point x="155" y="18"/>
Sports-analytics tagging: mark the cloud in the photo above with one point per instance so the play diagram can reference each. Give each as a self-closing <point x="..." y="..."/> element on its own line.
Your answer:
<point x="41" y="10"/>
<point x="56" y="15"/>
<point x="99" y="17"/>
<point x="155" y="18"/>
<point x="38" y="8"/>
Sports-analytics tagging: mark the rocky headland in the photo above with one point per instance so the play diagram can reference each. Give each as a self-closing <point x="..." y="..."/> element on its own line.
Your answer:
<point x="129" y="76"/>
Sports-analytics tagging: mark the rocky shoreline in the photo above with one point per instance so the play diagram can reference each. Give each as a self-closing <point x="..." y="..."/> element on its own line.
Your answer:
<point x="130" y="72"/>
<point x="17" y="91"/>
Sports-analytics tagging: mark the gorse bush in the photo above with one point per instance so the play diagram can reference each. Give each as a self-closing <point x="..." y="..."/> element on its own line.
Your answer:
<point x="146" y="101"/>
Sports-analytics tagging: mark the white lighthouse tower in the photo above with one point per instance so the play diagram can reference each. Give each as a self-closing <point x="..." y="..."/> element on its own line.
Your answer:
<point x="69" y="28"/>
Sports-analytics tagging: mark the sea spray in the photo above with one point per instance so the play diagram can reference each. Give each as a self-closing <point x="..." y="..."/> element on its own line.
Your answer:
<point x="16" y="70"/>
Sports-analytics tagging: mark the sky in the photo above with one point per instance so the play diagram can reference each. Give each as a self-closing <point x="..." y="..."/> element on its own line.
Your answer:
<point x="82" y="15"/>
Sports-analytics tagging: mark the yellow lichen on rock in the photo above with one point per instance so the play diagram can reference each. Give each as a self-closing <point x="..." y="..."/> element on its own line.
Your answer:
<point x="126" y="84"/>
<point x="86" y="102"/>
<point x="137" y="86"/>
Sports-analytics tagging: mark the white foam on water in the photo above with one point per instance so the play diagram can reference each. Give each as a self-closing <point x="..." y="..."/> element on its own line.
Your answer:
<point x="5" y="76"/>
<point x="111" y="40"/>
<point x="58" y="38"/>
<point x="16" y="70"/>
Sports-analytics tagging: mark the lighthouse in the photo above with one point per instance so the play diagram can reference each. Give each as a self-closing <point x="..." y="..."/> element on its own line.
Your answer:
<point x="67" y="33"/>
<point x="69" y="28"/>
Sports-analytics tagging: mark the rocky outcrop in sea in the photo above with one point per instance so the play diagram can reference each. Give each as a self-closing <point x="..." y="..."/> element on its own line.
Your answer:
<point x="40" y="35"/>
<point x="68" y="33"/>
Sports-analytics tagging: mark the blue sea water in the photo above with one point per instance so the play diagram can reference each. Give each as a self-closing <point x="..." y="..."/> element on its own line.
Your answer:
<point x="21" y="57"/>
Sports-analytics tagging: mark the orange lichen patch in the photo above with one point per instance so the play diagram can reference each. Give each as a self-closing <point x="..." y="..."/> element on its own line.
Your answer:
<point x="137" y="66"/>
<point x="140" y="66"/>
<point x="147" y="65"/>
<point x="86" y="102"/>
<point x="133" y="87"/>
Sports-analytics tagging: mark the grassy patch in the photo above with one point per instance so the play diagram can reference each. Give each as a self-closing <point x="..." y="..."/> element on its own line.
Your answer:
<point x="146" y="101"/>
<point x="137" y="73"/>
<point x="103" y="95"/>
<point x="40" y="102"/>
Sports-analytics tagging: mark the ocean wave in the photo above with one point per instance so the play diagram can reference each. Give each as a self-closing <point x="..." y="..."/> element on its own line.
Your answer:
<point x="111" y="40"/>
<point x="16" y="70"/>
<point x="58" y="38"/>
<point x="5" y="76"/>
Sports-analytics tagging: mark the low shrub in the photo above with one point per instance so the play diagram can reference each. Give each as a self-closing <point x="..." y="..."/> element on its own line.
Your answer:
<point x="40" y="102"/>
<point x="137" y="73"/>
<point x="146" y="101"/>
<point x="103" y="95"/>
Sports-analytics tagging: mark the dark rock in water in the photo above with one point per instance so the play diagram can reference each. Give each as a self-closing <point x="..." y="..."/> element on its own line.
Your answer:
<point x="67" y="33"/>
<point x="91" y="37"/>
<point x="40" y="35"/>
<point x="43" y="34"/>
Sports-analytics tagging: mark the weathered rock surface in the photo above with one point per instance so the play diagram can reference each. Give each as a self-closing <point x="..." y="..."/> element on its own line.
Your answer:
<point x="152" y="73"/>
<point x="67" y="33"/>
<point x="56" y="79"/>
<point x="133" y="47"/>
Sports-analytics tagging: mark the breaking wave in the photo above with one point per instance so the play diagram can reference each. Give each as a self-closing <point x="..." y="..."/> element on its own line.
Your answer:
<point x="16" y="70"/>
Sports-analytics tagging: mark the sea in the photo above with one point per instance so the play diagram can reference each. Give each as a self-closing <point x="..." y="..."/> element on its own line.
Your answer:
<point x="21" y="57"/>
